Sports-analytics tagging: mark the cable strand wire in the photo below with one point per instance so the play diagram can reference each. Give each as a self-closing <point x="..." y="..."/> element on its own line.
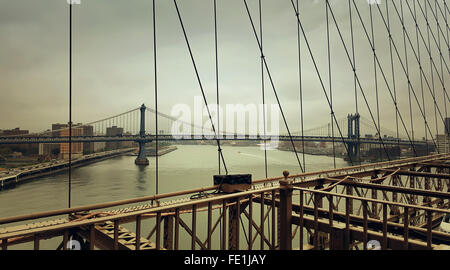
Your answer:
<point x="272" y="84"/>
<point x="200" y="84"/>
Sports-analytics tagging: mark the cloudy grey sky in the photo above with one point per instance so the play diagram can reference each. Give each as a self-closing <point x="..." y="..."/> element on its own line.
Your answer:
<point x="113" y="59"/>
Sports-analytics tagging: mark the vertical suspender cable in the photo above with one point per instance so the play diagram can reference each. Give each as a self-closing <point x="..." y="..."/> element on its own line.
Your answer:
<point x="351" y="63"/>
<point x="329" y="79"/>
<point x="217" y="97"/>
<point x="375" y="76"/>
<point x="272" y="83"/>
<point x="263" y="97"/>
<point x="156" y="95"/>
<point x="446" y="26"/>
<point x="353" y="54"/>
<point x="200" y="84"/>
<point x="421" y="78"/>
<point x="70" y="104"/>
<point x="407" y="72"/>
<point x="217" y="79"/>
<point x="431" y="68"/>
<point x="429" y="49"/>
<point x="382" y="73"/>
<point x="393" y="72"/>
<point x="441" y="56"/>
<point x="404" y="70"/>
<point x="300" y="87"/>
<point x="262" y="87"/>
<point x="354" y="67"/>
<point x="319" y="77"/>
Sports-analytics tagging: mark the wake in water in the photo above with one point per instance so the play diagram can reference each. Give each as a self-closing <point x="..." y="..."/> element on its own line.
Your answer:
<point x="262" y="157"/>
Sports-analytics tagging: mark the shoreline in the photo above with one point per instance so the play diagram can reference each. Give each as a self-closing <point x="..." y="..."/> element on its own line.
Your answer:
<point x="31" y="172"/>
<point x="12" y="178"/>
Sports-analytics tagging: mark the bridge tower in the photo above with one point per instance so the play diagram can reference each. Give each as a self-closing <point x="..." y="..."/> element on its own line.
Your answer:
<point x="142" y="158"/>
<point x="354" y="148"/>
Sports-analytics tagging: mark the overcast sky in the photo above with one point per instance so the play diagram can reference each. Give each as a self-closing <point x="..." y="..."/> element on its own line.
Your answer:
<point x="113" y="60"/>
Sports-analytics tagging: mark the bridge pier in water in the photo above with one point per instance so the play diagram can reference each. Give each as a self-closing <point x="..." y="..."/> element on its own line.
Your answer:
<point x="142" y="157"/>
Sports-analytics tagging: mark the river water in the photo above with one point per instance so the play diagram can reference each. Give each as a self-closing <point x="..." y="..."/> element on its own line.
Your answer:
<point x="190" y="166"/>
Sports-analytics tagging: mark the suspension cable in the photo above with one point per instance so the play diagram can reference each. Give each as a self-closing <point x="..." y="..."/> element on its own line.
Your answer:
<point x="156" y="96"/>
<point x="262" y="87"/>
<point x="393" y="74"/>
<point x="438" y="26"/>
<point x="438" y="29"/>
<point x="330" y="82"/>
<point x="382" y="72"/>
<point x="407" y="72"/>
<point x="323" y="88"/>
<point x="440" y="53"/>
<point x="217" y="80"/>
<point x="404" y="70"/>
<point x="70" y="103"/>
<point x="272" y="84"/>
<point x="431" y="70"/>
<point x="431" y="89"/>
<point x="359" y="83"/>
<point x="300" y="87"/>
<point x="428" y="44"/>
<point x="200" y="84"/>
<point x="354" y="68"/>
<point x="321" y="81"/>
<point x="375" y="76"/>
<point x="421" y="79"/>
<point x="217" y="99"/>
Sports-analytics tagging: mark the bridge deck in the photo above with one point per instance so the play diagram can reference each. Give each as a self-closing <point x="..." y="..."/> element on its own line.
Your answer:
<point x="368" y="216"/>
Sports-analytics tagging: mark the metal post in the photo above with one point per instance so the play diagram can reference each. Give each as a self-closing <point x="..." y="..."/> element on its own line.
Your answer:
<point x="158" y="231"/>
<point x="65" y="239"/>
<point x="36" y="242"/>
<point x="301" y="219"/>
<point x="177" y="228"/>
<point x="385" y="213"/>
<point x="233" y="230"/>
<point x="168" y="233"/>
<point x="92" y="237"/>
<point x="208" y="243"/>
<point x="224" y="225"/>
<point x="116" y="235"/>
<point x="194" y="226"/>
<point x="429" y="229"/>
<point x="250" y="222"/>
<point x="405" y="226"/>
<point x="285" y="215"/>
<point x="138" y="232"/>
<point x="262" y="221"/>
<point x="4" y="244"/>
